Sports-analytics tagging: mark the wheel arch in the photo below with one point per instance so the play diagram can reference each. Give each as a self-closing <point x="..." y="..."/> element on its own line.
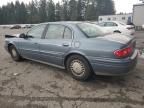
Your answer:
<point x="9" y="45"/>
<point x="76" y="53"/>
<point x="117" y="31"/>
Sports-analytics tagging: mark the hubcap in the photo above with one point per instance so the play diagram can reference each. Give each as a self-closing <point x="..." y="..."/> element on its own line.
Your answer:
<point x="77" y="67"/>
<point x="14" y="53"/>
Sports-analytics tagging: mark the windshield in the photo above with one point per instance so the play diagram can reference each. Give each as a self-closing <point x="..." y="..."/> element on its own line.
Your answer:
<point x="91" y="30"/>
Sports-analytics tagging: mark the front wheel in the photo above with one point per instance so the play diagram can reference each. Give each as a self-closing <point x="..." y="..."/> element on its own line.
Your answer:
<point x="14" y="53"/>
<point x="79" y="67"/>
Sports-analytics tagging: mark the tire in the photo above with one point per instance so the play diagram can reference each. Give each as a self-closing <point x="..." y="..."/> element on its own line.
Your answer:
<point x="78" y="67"/>
<point x="14" y="53"/>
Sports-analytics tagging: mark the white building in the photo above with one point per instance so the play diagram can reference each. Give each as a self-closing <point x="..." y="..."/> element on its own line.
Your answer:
<point x="138" y="15"/>
<point x="125" y="18"/>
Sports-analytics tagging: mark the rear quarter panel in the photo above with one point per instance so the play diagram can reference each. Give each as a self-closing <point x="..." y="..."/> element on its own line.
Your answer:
<point x="98" y="48"/>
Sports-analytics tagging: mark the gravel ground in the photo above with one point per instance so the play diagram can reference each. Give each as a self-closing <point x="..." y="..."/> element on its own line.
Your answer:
<point x="29" y="84"/>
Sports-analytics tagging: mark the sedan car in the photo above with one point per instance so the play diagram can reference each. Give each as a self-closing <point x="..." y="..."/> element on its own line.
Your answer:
<point x="80" y="48"/>
<point x="118" y="27"/>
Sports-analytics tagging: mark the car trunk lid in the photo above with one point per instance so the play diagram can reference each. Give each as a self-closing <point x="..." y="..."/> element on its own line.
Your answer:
<point x="117" y="37"/>
<point x="127" y="43"/>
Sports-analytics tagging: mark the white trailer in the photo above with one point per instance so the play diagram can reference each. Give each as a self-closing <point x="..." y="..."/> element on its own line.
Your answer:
<point x="125" y="18"/>
<point x="138" y="15"/>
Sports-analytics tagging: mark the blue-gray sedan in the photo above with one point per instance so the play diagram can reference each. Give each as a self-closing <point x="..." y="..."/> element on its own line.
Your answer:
<point x="81" y="48"/>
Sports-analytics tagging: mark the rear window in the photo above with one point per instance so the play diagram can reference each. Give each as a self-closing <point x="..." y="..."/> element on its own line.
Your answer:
<point x="91" y="30"/>
<point x="122" y="23"/>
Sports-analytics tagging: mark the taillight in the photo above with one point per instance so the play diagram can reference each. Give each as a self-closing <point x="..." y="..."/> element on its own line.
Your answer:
<point x="122" y="53"/>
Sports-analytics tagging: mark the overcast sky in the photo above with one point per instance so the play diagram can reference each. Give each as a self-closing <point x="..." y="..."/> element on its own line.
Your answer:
<point x="121" y="5"/>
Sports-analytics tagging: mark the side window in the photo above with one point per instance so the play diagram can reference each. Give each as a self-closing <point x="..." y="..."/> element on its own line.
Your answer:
<point x="37" y="31"/>
<point x="102" y="24"/>
<point x="55" y="32"/>
<point x="114" y="24"/>
<point x="67" y="33"/>
<point x="110" y="24"/>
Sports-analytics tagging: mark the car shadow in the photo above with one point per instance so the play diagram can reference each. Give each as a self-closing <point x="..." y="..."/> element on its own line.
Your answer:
<point x="95" y="79"/>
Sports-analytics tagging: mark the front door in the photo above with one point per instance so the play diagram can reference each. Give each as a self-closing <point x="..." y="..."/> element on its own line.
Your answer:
<point x="29" y="47"/>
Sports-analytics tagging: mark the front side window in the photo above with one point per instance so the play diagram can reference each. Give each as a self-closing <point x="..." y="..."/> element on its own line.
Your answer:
<point x="110" y="24"/>
<point x="55" y="32"/>
<point x="91" y="30"/>
<point x="36" y="31"/>
<point x="102" y="24"/>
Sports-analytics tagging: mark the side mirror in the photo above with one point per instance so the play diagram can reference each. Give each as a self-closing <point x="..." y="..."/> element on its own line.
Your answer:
<point x="23" y="36"/>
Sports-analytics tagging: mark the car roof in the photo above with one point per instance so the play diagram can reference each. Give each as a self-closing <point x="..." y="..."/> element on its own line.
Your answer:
<point x="64" y="22"/>
<point x="110" y="21"/>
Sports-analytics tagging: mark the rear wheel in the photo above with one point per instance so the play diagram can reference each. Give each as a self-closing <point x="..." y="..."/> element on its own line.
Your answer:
<point x="14" y="53"/>
<point x="79" y="67"/>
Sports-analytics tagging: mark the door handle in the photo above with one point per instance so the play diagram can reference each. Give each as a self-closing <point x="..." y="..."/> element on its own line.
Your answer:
<point x="65" y="44"/>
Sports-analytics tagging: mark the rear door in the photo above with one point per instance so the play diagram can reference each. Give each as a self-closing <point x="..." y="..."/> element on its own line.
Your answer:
<point x="56" y="43"/>
<point x="29" y="47"/>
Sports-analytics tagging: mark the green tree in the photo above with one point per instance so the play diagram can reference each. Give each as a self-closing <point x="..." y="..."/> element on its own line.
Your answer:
<point x="0" y="15"/>
<point x="18" y="11"/>
<point x="91" y="10"/>
<point x="65" y="11"/>
<point x="73" y="10"/>
<point x="51" y="11"/>
<point x="42" y="10"/>
<point x="11" y="13"/>
<point x="58" y="12"/>
<point x="33" y="12"/>
<point x="109" y="7"/>
<point x="105" y="7"/>
<point x="46" y="10"/>
<point x="81" y="10"/>
<point x="23" y="15"/>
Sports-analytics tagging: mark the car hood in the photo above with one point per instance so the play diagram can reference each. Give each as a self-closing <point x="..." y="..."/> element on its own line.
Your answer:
<point x="117" y="37"/>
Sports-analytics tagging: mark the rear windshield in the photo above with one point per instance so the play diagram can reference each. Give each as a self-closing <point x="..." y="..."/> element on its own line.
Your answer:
<point x="91" y="30"/>
<point x="122" y="23"/>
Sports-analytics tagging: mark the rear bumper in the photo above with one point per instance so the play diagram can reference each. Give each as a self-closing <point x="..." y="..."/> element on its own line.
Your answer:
<point x="113" y="67"/>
